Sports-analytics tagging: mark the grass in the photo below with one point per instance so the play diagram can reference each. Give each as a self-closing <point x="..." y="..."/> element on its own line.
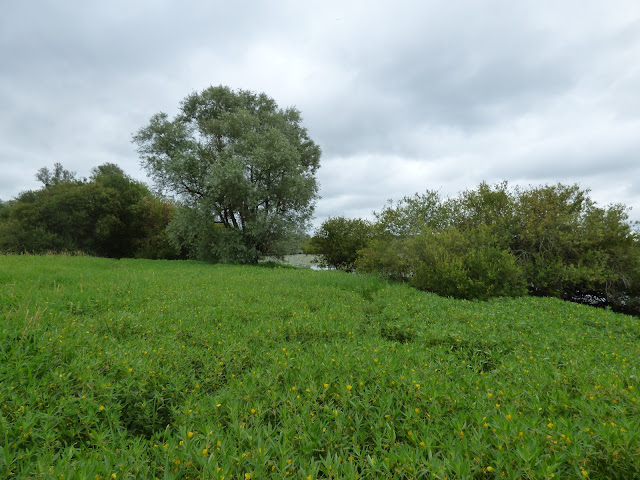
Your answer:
<point x="158" y="369"/>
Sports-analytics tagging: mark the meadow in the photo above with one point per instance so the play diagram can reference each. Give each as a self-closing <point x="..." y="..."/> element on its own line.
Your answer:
<point x="158" y="369"/>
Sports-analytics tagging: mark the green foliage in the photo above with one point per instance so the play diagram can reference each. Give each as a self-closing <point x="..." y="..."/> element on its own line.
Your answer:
<point x="53" y="177"/>
<point x="464" y="264"/>
<point x="236" y="159"/>
<point x="307" y="246"/>
<point x="53" y="218"/>
<point x="568" y="246"/>
<point x="108" y="215"/>
<point x="411" y="215"/>
<point x="158" y="369"/>
<point x="152" y="216"/>
<point x="564" y="245"/>
<point x="491" y="206"/>
<point x="548" y="235"/>
<point x="339" y="239"/>
<point x="452" y="263"/>
<point x="387" y="256"/>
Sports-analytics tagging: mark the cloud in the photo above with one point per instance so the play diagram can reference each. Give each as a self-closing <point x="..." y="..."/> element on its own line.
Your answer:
<point x="402" y="97"/>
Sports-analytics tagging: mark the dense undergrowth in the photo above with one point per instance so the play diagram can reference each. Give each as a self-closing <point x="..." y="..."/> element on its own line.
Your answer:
<point x="143" y="369"/>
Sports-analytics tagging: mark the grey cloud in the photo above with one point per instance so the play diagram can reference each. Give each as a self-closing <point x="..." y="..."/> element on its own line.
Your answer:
<point x="401" y="96"/>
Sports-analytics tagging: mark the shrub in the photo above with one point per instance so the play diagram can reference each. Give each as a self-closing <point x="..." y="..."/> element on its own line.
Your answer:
<point x="386" y="256"/>
<point x="339" y="239"/>
<point x="464" y="264"/>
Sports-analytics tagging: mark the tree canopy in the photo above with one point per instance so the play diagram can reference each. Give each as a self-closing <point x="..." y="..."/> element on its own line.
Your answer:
<point x="109" y="215"/>
<point x="551" y="240"/>
<point x="338" y="241"/>
<point x="243" y="169"/>
<point x="55" y="176"/>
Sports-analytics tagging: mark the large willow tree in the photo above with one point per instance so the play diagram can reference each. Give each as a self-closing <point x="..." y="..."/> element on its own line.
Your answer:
<point x="243" y="168"/>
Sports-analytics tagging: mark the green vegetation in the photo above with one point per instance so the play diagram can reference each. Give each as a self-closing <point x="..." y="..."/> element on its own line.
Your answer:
<point x="495" y="241"/>
<point x="109" y="215"/>
<point x="143" y="369"/>
<point x="244" y="170"/>
<point x="339" y="239"/>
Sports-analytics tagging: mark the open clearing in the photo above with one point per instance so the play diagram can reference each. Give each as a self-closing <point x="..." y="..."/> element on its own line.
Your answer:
<point x="143" y="369"/>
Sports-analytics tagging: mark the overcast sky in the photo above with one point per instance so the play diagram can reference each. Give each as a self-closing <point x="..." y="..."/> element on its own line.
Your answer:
<point x="402" y="96"/>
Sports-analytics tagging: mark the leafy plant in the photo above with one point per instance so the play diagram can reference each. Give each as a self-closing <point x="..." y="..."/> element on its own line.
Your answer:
<point x="176" y="369"/>
<point x="339" y="239"/>
<point x="237" y="160"/>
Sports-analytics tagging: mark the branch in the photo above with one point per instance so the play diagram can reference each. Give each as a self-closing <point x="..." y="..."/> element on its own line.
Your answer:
<point x="190" y="190"/>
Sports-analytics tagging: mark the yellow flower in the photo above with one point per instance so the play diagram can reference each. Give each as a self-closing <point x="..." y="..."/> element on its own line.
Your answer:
<point x="326" y="385"/>
<point x="189" y="434"/>
<point x="253" y="410"/>
<point x="101" y="408"/>
<point x="205" y="451"/>
<point x="349" y="387"/>
<point x="509" y="417"/>
<point x="520" y="434"/>
<point x="550" y="425"/>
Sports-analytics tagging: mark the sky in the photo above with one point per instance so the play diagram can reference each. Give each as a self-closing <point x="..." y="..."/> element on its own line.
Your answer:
<point x="402" y="96"/>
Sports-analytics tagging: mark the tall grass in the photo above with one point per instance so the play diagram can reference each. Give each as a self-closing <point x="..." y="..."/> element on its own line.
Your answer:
<point x="159" y="369"/>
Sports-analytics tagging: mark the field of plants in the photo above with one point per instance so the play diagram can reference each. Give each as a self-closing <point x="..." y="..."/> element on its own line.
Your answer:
<point x="161" y="369"/>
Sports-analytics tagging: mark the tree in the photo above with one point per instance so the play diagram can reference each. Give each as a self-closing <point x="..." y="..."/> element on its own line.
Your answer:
<point x="486" y="241"/>
<point x="109" y="215"/>
<point x="465" y="264"/>
<point x="339" y="239"/>
<point x="114" y="200"/>
<point x="411" y="215"/>
<point x="152" y="215"/>
<point x="59" y="174"/>
<point x="491" y="206"/>
<point x="243" y="169"/>
<point x="451" y="262"/>
<point x="570" y="248"/>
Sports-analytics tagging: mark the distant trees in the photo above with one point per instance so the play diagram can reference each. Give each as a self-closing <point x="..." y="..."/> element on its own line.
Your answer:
<point x="243" y="170"/>
<point x="496" y="241"/>
<point x="55" y="176"/>
<point x="568" y="247"/>
<point x="453" y="263"/>
<point x="108" y="215"/>
<point x="339" y="239"/>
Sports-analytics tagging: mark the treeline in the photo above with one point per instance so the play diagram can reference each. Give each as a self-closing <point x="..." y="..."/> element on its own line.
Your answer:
<point x="495" y="241"/>
<point x="108" y="215"/>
